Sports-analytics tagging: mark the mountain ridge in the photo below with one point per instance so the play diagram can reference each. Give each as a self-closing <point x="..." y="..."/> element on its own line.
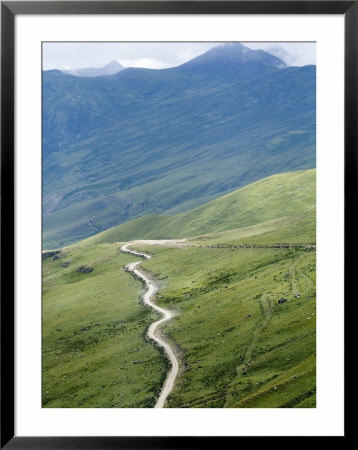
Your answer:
<point x="277" y="197"/>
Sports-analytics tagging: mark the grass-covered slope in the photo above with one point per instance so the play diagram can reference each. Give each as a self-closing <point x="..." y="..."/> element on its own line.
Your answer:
<point x="239" y="346"/>
<point x="166" y="141"/>
<point x="289" y="197"/>
<point x="238" y="343"/>
<point x="94" y="351"/>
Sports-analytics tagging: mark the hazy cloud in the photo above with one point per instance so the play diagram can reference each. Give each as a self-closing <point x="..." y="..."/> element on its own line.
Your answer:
<point x="293" y="53"/>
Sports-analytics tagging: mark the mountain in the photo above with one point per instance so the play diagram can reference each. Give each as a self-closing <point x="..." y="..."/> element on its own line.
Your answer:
<point x="109" y="69"/>
<point x="280" y="196"/>
<point x="146" y="141"/>
<point x="233" y="59"/>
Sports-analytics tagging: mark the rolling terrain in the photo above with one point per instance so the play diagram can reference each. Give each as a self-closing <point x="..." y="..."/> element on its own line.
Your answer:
<point x="144" y="141"/>
<point x="275" y="199"/>
<point x="243" y="295"/>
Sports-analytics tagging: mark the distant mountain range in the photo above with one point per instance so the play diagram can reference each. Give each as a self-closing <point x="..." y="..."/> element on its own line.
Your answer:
<point x="145" y="141"/>
<point x="109" y="69"/>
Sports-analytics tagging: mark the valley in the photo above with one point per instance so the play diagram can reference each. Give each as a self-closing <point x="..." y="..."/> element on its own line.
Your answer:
<point x="179" y="228"/>
<point x="146" y="142"/>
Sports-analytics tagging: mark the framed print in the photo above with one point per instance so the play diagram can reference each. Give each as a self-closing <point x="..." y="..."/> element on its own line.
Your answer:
<point x="175" y="179"/>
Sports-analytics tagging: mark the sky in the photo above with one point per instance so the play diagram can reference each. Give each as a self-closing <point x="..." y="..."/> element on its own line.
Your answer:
<point x="76" y="55"/>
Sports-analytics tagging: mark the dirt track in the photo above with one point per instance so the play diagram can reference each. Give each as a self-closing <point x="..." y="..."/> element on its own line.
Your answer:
<point x="167" y="315"/>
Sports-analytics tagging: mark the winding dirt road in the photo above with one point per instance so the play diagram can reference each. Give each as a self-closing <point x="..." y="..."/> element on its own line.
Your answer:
<point x="154" y="327"/>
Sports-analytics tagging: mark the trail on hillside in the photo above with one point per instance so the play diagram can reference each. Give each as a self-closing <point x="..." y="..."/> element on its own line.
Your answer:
<point x="267" y="305"/>
<point x="153" y="329"/>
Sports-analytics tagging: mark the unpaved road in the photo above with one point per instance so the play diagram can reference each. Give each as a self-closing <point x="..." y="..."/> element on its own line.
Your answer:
<point x="167" y="315"/>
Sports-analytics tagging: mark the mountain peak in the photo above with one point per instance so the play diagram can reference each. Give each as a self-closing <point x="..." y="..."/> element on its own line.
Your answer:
<point x="109" y="69"/>
<point x="233" y="58"/>
<point x="113" y="65"/>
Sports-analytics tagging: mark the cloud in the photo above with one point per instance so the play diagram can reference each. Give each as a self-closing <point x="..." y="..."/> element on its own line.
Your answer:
<point x="293" y="53"/>
<point x="149" y="63"/>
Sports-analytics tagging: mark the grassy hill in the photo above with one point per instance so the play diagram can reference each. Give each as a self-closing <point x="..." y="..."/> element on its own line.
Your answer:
<point x="166" y="141"/>
<point x="277" y="197"/>
<point x="94" y="351"/>
<point x="239" y="347"/>
<point x="238" y="343"/>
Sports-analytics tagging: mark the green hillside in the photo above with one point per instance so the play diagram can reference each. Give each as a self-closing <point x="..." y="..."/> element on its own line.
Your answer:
<point x="92" y="335"/>
<point x="245" y="326"/>
<point x="277" y="197"/>
<point x="239" y="346"/>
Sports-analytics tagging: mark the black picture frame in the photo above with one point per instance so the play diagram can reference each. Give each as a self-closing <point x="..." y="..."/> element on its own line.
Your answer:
<point x="9" y="9"/>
